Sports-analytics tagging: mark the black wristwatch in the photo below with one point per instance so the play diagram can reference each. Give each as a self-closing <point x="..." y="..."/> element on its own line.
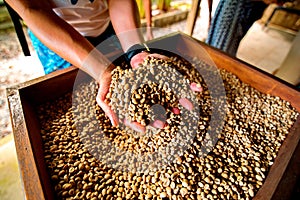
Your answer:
<point x="135" y="49"/>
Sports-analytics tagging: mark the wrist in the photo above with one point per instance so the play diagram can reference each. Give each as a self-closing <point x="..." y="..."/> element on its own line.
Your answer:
<point x="106" y="73"/>
<point x="134" y="50"/>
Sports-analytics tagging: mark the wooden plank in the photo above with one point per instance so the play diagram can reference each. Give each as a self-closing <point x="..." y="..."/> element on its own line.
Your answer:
<point x="280" y="164"/>
<point x="49" y="87"/>
<point x="191" y="20"/>
<point x="23" y="99"/>
<point x="290" y="178"/>
<point x="35" y="138"/>
<point x="28" y="169"/>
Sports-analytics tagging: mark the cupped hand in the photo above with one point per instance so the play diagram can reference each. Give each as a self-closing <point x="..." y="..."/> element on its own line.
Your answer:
<point x="186" y="103"/>
<point x="104" y="84"/>
<point x="135" y="63"/>
<point x="140" y="57"/>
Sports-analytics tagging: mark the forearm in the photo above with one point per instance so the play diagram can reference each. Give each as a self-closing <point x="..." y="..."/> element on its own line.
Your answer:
<point x="58" y="35"/>
<point x="125" y="20"/>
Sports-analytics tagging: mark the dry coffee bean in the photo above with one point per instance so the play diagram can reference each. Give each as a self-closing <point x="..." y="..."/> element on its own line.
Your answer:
<point x="255" y="126"/>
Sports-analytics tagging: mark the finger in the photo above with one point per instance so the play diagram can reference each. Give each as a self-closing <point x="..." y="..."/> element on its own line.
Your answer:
<point x="101" y="96"/>
<point x="186" y="103"/>
<point x="135" y="126"/>
<point x="176" y="111"/>
<point x="158" y="124"/>
<point x="196" y="87"/>
<point x="107" y="110"/>
<point x="138" y="59"/>
<point x="156" y="55"/>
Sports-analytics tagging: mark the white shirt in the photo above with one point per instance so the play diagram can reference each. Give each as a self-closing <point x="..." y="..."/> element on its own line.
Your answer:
<point x="88" y="17"/>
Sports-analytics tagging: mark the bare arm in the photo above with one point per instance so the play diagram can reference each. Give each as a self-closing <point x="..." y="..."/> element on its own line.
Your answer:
<point x="63" y="39"/>
<point x="125" y="19"/>
<point x="58" y="35"/>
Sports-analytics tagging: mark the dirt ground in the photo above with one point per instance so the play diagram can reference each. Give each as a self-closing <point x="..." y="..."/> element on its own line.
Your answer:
<point x="14" y="68"/>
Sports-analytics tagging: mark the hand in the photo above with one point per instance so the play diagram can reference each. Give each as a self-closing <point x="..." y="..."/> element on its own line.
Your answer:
<point x="104" y="84"/>
<point x="135" y="62"/>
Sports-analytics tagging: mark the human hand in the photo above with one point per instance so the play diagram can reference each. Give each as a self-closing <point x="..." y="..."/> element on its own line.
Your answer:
<point x="186" y="103"/>
<point x="104" y="84"/>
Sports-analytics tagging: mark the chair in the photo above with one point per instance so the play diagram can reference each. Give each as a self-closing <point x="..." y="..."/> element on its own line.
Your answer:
<point x="16" y="19"/>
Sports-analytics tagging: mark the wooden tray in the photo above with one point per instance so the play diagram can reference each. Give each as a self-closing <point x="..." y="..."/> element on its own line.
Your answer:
<point x="24" y="98"/>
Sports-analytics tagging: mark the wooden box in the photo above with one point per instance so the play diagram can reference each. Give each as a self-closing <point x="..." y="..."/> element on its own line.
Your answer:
<point x="24" y="98"/>
<point x="281" y="18"/>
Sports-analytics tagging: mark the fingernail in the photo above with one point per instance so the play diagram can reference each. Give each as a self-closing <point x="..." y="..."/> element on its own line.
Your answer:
<point x="158" y="124"/>
<point x="186" y="103"/>
<point x="176" y="111"/>
<point x="112" y="122"/>
<point x="138" y="128"/>
<point x="196" y="87"/>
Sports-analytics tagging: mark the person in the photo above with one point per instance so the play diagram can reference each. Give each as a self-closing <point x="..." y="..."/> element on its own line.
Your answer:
<point x="232" y="20"/>
<point x="145" y="11"/>
<point x="69" y="28"/>
<point x="148" y="16"/>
